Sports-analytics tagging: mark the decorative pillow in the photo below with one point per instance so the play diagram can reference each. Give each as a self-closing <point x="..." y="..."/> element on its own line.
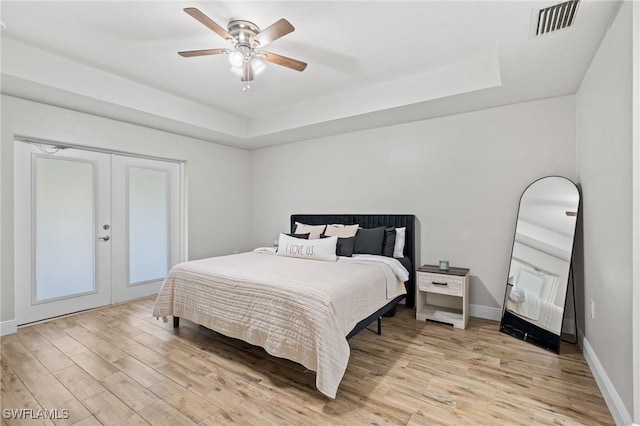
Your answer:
<point x="369" y="241"/>
<point x="398" y="248"/>
<point x="318" y="249"/>
<point x="314" y="231"/>
<point x="302" y="236"/>
<point x="389" y="241"/>
<point x="344" y="246"/>
<point x="342" y="231"/>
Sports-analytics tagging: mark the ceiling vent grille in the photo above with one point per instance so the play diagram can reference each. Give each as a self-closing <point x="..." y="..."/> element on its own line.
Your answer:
<point x="554" y="18"/>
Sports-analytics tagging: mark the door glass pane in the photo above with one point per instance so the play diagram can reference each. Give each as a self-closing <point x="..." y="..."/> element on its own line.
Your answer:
<point x="148" y="225"/>
<point x="64" y="221"/>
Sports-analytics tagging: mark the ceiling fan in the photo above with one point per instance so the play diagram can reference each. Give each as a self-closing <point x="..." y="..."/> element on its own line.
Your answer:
<point x="246" y="57"/>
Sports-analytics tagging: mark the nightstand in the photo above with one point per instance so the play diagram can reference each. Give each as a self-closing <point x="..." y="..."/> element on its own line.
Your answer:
<point x="443" y="296"/>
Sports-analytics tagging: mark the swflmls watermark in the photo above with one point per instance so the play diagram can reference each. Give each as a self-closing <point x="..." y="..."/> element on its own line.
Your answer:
<point x="35" y="413"/>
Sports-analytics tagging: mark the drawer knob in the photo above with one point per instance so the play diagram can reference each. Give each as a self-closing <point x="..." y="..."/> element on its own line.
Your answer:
<point x="437" y="283"/>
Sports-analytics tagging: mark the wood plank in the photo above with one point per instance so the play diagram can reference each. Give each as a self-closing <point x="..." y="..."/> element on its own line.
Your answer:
<point x="32" y="339"/>
<point x="242" y="411"/>
<point x="197" y="383"/>
<point x="52" y="358"/>
<point x="109" y="410"/>
<point x="57" y="397"/>
<point x="49" y="329"/>
<point x="162" y="414"/>
<point x="194" y="359"/>
<point x="188" y="403"/>
<point x="5" y="368"/>
<point x="241" y="387"/>
<point x="94" y="365"/>
<point x="138" y="371"/>
<point x="79" y="382"/>
<point x="88" y="421"/>
<point x="152" y="342"/>
<point x="95" y="343"/>
<point x="68" y="345"/>
<point x="165" y="334"/>
<point x="15" y="352"/>
<point x="14" y="395"/>
<point x="133" y="348"/>
<point x="128" y="390"/>
<point x="34" y="375"/>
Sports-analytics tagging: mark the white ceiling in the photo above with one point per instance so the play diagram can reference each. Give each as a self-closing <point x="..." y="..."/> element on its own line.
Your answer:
<point x="371" y="63"/>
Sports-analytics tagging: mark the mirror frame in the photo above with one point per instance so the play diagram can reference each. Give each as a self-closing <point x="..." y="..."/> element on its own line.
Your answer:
<point x="519" y="327"/>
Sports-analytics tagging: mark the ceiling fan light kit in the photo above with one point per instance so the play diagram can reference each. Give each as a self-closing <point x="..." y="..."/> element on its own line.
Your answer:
<point x="236" y="58"/>
<point x="246" y="58"/>
<point x="258" y="65"/>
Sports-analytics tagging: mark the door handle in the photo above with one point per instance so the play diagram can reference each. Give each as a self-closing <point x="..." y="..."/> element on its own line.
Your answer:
<point x="105" y="238"/>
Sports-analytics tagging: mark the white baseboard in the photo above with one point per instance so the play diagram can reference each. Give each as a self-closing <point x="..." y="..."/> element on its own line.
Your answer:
<point x="619" y="412"/>
<point x="485" y="312"/>
<point x="8" y="327"/>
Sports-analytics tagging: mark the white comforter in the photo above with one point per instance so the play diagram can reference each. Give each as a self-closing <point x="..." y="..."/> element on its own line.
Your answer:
<point x="294" y="308"/>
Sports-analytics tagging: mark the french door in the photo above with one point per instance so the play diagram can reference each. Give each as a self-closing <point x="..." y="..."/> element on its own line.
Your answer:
<point x="91" y="228"/>
<point x="145" y="211"/>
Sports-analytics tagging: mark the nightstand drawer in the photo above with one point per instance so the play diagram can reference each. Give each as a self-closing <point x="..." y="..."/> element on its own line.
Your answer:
<point x="441" y="283"/>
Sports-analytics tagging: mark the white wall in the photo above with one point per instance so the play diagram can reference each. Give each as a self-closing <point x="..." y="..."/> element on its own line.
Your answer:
<point x="217" y="177"/>
<point x="604" y="154"/>
<point x="461" y="175"/>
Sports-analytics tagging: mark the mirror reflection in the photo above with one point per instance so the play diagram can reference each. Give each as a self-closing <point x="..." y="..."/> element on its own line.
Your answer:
<point x="540" y="262"/>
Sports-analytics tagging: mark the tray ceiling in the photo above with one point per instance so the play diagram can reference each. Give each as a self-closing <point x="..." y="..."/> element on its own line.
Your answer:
<point x="371" y="63"/>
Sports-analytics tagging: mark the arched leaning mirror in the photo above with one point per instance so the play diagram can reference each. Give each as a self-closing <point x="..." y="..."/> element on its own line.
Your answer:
<point x="540" y="264"/>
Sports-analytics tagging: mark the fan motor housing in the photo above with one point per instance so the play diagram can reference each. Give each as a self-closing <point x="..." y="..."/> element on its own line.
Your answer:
<point x="243" y="31"/>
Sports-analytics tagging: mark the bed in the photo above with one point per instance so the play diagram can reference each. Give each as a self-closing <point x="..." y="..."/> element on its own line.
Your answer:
<point x="299" y="309"/>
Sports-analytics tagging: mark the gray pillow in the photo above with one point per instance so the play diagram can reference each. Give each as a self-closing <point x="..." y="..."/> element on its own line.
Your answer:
<point x="345" y="246"/>
<point x="369" y="241"/>
<point x="389" y="241"/>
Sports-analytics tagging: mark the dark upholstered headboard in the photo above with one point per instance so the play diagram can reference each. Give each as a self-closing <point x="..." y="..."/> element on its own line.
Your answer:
<point x="374" y="221"/>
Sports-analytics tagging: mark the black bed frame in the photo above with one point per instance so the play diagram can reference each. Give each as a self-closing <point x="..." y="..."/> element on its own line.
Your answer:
<point x="370" y="221"/>
<point x="374" y="221"/>
<point x="522" y="329"/>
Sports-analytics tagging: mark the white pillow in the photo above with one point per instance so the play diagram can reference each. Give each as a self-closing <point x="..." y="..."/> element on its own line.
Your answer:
<point x="320" y="249"/>
<point x="314" y="231"/>
<point x="398" y="248"/>
<point x="342" y="231"/>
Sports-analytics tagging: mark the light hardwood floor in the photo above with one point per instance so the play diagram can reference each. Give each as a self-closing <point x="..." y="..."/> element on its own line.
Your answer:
<point x="119" y="366"/>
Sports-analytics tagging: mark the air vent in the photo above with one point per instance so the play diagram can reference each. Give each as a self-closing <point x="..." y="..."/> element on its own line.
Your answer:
<point x="553" y="18"/>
